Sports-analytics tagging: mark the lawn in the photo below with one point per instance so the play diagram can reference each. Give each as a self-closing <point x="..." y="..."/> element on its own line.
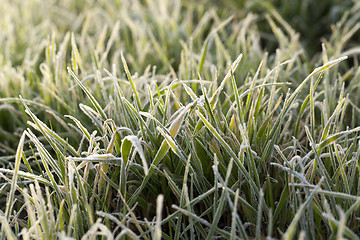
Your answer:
<point x="161" y="119"/>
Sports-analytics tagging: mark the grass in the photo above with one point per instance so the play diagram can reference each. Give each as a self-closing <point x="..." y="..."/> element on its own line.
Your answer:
<point x="178" y="120"/>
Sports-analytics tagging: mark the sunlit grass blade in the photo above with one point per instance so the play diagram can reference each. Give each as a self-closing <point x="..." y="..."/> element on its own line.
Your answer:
<point x="131" y="80"/>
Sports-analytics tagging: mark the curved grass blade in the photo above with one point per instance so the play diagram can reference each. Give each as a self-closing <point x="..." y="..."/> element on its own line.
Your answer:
<point x="125" y="150"/>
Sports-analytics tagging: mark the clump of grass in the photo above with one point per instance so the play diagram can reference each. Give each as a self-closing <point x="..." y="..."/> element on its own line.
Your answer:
<point x="217" y="138"/>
